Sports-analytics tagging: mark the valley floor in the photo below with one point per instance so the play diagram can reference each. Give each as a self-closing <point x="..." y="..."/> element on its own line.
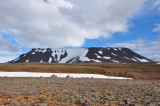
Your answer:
<point x="78" y="91"/>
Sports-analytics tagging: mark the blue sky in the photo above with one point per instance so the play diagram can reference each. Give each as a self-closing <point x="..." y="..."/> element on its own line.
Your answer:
<point x="142" y="28"/>
<point x="74" y="23"/>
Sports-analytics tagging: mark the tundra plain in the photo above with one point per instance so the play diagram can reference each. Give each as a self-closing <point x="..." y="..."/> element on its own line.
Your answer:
<point x="144" y="90"/>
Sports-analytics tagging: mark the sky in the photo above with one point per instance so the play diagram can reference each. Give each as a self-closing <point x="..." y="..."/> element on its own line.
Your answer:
<point x="26" y="24"/>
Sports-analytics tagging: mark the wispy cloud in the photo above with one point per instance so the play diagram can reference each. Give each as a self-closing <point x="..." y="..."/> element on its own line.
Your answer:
<point x="145" y="47"/>
<point x="156" y="4"/>
<point x="157" y="29"/>
<point x="6" y="47"/>
<point x="4" y="59"/>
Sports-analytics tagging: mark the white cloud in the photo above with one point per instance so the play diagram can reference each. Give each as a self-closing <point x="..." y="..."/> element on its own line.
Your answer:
<point x="4" y="59"/>
<point x="58" y="23"/>
<point x="7" y="47"/>
<point x="157" y="29"/>
<point x="156" y="4"/>
<point x="154" y="57"/>
<point x="150" y="49"/>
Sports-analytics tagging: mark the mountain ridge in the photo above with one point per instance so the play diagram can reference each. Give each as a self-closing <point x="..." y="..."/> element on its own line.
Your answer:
<point x="75" y="55"/>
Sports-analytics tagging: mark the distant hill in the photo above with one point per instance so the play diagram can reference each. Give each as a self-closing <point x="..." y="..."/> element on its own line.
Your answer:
<point x="74" y="55"/>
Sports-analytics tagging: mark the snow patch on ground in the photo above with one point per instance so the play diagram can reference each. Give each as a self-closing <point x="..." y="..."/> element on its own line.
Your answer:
<point x="35" y="74"/>
<point x="158" y="63"/>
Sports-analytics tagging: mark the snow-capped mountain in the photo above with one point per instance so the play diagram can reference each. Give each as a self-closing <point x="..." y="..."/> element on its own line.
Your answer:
<point x="74" y="55"/>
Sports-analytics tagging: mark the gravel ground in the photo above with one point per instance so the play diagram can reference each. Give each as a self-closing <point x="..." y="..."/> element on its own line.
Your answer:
<point x="78" y="91"/>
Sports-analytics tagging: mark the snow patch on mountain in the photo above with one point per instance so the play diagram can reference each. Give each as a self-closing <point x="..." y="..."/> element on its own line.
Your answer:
<point x="96" y="60"/>
<point x="126" y="57"/>
<point x="44" y="50"/>
<point x="113" y="54"/>
<point x="97" y="55"/>
<point x="50" y="60"/>
<point x="73" y="53"/>
<point x="134" y="59"/>
<point x="115" y="49"/>
<point x="100" y="52"/>
<point x="107" y="57"/>
<point x="83" y="56"/>
<point x="16" y="59"/>
<point x="142" y="60"/>
<point x="115" y="61"/>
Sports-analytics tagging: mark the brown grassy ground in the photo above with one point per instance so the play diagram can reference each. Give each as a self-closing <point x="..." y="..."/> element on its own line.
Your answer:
<point x="136" y="71"/>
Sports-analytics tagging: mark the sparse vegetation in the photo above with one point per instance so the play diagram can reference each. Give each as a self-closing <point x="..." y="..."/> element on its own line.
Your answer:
<point x="144" y="90"/>
<point x="78" y="91"/>
<point x="136" y="71"/>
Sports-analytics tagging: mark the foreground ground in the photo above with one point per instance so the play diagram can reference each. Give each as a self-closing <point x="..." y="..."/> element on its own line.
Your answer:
<point x="136" y="71"/>
<point x="143" y="90"/>
<point x="82" y="91"/>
